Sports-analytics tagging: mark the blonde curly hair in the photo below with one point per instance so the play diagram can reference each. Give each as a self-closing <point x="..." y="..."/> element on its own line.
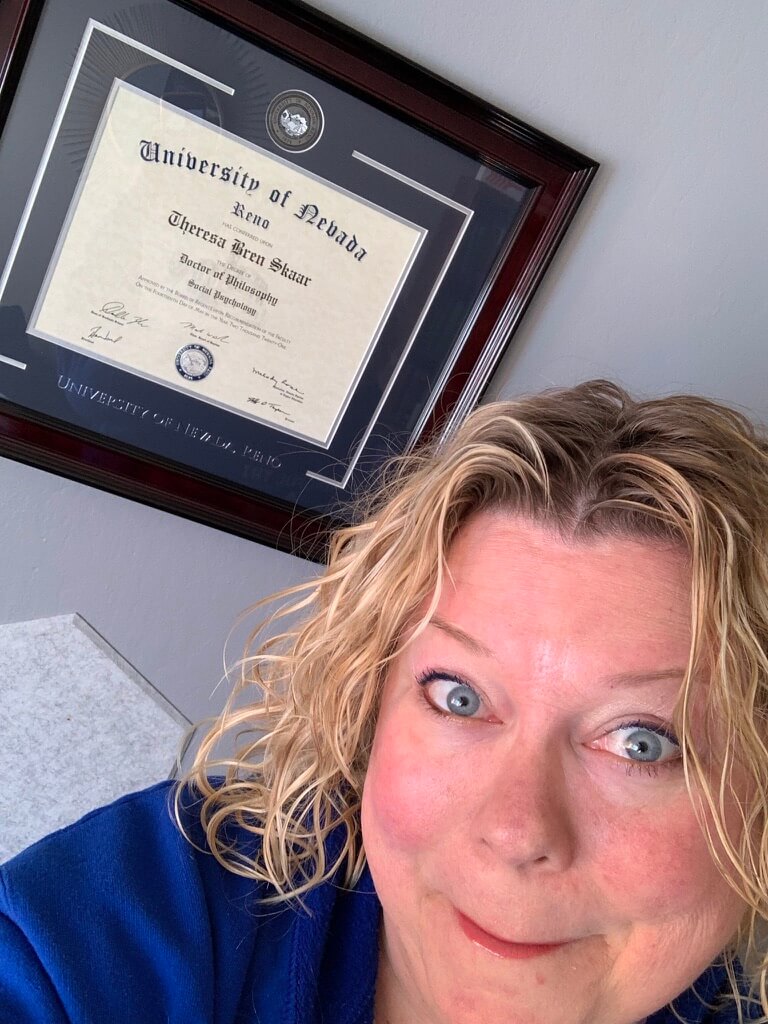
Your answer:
<point x="587" y="460"/>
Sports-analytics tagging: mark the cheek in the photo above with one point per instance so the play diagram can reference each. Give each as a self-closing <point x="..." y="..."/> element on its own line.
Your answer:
<point x="656" y="867"/>
<point x="406" y="796"/>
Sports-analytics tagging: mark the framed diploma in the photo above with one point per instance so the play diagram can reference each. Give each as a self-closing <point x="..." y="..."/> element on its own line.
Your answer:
<point x="247" y="254"/>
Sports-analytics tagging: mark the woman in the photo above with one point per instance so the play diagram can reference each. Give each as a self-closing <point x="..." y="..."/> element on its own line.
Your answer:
<point x="511" y="767"/>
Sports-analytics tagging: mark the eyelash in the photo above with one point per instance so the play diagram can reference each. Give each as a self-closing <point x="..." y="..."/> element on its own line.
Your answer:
<point x="649" y="768"/>
<point x="430" y="676"/>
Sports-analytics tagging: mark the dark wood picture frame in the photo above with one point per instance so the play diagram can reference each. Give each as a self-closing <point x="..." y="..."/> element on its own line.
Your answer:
<point x="555" y="176"/>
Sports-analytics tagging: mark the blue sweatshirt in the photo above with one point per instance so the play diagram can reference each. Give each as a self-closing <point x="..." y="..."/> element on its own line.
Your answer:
<point x="118" y="918"/>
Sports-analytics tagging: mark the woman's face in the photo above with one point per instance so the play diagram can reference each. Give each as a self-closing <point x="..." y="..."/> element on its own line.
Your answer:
<point x="525" y="788"/>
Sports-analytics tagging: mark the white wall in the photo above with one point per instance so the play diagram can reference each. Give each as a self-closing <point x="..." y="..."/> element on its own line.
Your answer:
<point x="162" y="590"/>
<point x="662" y="283"/>
<point x="663" y="280"/>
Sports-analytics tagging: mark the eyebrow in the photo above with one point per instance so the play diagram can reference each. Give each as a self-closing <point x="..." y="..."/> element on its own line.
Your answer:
<point x="676" y="673"/>
<point x="470" y="642"/>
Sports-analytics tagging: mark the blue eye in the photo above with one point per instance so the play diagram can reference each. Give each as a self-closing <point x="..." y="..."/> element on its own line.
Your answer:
<point x="646" y="743"/>
<point x="450" y="695"/>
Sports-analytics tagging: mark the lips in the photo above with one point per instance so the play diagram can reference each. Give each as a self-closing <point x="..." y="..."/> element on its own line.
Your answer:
<point x="500" y="947"/>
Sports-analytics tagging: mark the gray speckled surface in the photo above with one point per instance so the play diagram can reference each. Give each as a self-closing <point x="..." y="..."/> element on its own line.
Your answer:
<point x="79" y="727"/>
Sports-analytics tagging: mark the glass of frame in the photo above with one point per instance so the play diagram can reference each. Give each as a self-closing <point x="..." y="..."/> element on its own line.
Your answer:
<point x="247" y="254"/>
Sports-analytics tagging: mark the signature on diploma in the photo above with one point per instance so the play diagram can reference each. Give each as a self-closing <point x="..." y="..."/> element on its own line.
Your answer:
<point x="201" y="334"/>
<point x="263" y="403"/>
<point x="116" y="311"/>
<point x="282" y="385"/>
<point x="102" y="334"/>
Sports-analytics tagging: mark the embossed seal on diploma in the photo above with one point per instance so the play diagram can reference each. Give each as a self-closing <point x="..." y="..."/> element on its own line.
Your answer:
<point x="194" y="361"/>
<point x="295" y="121"/>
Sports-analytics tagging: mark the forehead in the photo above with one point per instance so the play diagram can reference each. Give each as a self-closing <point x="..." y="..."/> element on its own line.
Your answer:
<point x="522" y="590"/>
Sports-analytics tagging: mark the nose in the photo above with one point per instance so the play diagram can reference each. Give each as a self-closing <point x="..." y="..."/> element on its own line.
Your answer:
<point x="525" y="817"/>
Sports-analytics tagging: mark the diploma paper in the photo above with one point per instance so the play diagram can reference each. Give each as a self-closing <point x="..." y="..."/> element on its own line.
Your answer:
<point x="203" y="262"/>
